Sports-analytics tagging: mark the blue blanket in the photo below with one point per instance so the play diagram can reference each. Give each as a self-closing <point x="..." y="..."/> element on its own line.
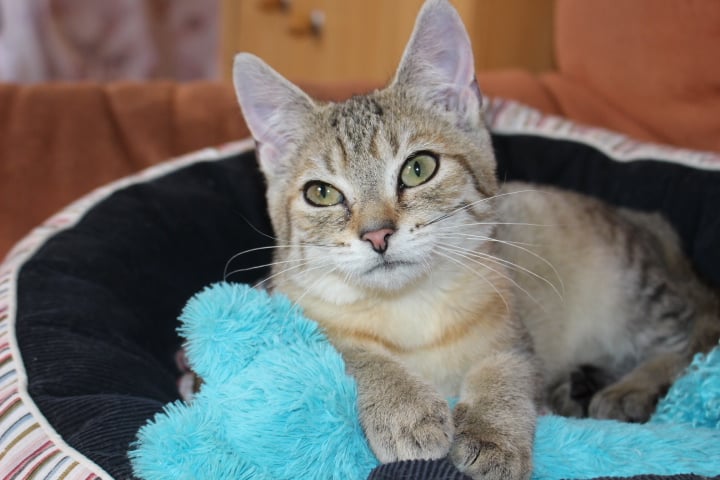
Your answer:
<point x="276" y="404"/>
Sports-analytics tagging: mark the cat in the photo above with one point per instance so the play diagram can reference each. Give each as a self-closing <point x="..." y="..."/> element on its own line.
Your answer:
<point x="435" y="282"/>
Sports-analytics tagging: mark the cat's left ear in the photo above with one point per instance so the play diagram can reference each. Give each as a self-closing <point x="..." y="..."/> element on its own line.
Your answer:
<point x="438" y="64"/>
<point x="275" y="110"/>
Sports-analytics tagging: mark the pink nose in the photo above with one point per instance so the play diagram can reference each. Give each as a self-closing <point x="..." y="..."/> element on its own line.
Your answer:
<point x="378" y="238"/>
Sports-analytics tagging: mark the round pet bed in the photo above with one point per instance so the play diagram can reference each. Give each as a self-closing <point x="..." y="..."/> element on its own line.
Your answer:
<point x="89" y="301"/>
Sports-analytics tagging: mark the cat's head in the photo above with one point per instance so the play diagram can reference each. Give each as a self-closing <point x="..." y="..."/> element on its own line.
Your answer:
<point x="373" y="193"/>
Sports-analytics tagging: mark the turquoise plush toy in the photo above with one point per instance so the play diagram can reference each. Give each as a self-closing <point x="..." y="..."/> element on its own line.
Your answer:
<point x="276" y="404"/>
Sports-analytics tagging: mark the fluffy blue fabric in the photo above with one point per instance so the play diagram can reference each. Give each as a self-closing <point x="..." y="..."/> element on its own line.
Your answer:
<point x="276" y="404"/>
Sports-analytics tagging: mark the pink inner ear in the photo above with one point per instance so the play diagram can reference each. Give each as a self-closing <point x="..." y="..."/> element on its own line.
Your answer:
<point x="275" y="110"/>
<point x="268" y="156"/>
<point x="452" y="58"/>
<point x="268" y="141"/>
<point x="261" y="107"/>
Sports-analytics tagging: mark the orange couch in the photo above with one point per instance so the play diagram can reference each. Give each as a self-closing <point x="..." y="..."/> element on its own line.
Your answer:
<point x="643" y="67"/>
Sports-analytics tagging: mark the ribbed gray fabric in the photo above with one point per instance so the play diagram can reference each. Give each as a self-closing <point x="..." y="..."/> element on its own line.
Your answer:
<point x="444" y="470"/>
<point x="418" y="469"/>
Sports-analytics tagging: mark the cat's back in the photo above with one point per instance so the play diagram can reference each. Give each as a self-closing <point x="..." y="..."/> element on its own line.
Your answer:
<point x="588" y="274"/>
<point x="578" y="230"/>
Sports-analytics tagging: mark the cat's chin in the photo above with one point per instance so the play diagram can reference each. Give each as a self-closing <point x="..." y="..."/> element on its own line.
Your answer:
<point x="388" y="278"/>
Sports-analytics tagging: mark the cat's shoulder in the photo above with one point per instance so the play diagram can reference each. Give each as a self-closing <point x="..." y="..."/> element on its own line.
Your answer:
<point x="515" y="197"/>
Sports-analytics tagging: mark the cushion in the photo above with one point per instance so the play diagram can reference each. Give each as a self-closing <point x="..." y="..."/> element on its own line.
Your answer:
<point x="642" y="65"/>
<point x="89" y="301"/>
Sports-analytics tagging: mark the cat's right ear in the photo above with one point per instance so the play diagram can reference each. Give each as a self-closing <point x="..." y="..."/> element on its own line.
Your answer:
<point x="438" y="64"/>
<point x="275" y="110"/>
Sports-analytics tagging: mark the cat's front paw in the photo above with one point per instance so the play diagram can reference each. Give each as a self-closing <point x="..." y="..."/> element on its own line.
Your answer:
<point x="482" y="452"/>
<point x="625" y="401"/>
<point x="419" y="427"/>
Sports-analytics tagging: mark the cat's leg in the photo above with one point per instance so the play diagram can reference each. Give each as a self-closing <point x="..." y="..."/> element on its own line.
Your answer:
<point x="404" y="418"/>
<point x="561" y="400"/>
<point x="571" y="397"/>
<point x="633" y="398"/>
<point x="495" y="418"/>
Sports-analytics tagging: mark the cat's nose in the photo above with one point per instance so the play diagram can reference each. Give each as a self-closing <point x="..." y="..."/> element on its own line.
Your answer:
<point x="378" y="238"/>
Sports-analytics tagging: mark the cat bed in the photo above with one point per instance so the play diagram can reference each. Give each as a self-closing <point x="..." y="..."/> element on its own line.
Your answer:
<point x="287" y="383"/>
<point x="89" y="301"/>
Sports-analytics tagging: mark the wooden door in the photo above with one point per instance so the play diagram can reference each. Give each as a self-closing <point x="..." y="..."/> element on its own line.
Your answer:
<point x="363" y="40"/>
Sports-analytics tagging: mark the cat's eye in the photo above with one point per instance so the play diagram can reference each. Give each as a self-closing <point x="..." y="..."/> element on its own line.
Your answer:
<point x="418" y="169"/>
<point x="322" y="194"/>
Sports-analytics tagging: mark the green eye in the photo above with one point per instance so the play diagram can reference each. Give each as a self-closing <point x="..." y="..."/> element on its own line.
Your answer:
<point x="322" y="194"/>
<point x="418" y="169"/>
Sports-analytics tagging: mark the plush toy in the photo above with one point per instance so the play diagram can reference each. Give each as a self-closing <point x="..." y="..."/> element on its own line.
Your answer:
<point x="276" y="404"/>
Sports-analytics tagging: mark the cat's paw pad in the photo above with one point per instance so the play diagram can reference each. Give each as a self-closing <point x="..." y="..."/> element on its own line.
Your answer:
<point x="482" y="453"/>
<point x="420" y="429"/>
<point x="627" y="403"/>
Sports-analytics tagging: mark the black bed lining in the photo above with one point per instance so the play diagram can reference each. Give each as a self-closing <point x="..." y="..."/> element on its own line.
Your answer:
<point x="97" y="303"/>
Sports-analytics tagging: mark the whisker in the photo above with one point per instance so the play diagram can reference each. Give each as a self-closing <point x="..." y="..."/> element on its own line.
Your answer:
<point x="247" y="220"/>
<point x="497" y="272"/>
<point x="472" y="204"/>
<point x="478" y="274"/>
<point x="270" y="277"/>
<point x="271" y="264"/>
<point x="519" y="246"/>
<point x="510" y="265"/>
<point x="483" y="237"/>
<point x="427" y="267"/>
<point x="517" y="267"/>
<point x="304" y="263"/>
<point x="495" y="223"/>
<point x="296" y="302"/>
<point x="251" y="250"/>
<point x="271" y="247"/>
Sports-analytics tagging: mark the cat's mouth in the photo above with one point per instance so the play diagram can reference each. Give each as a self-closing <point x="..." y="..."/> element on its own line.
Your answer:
<point x="388" y="266"/>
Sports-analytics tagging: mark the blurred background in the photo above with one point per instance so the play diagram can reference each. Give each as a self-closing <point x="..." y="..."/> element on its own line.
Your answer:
<point x="48" y="40"/>
<point x="69" y="121"/>
<point x="306" y="40"/>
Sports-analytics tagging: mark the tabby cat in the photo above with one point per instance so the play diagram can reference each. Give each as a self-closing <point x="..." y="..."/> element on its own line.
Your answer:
<point x="434" y="282"/>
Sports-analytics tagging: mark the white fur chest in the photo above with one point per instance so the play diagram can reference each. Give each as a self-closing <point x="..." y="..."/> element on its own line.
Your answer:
<point x="437" y="333"/>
